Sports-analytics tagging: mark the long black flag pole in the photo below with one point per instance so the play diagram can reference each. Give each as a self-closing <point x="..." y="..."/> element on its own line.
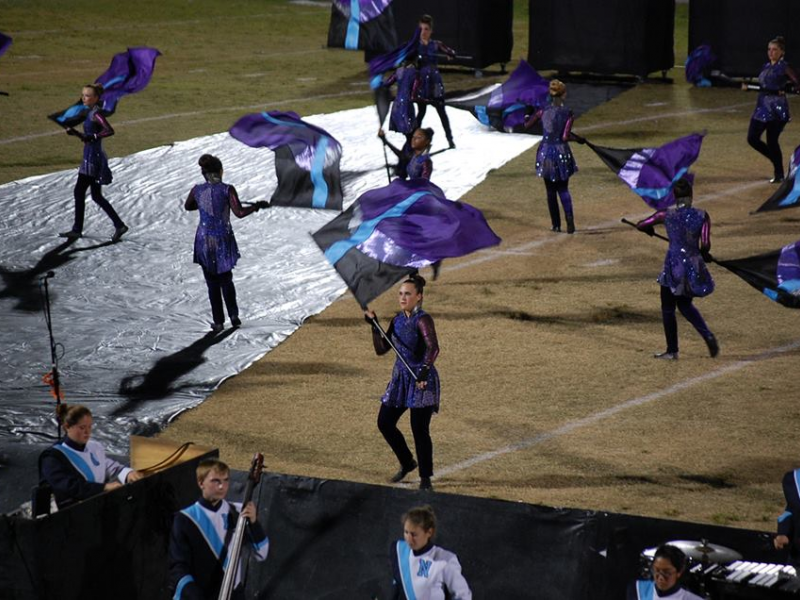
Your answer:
<point x="658" y="235"/>
<point x="53" y="351"/>
<point x="707" y="257"/>
<point x="376" y="325"/>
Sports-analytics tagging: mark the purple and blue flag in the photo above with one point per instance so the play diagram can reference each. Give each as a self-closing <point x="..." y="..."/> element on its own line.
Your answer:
<point x="504" y="107"/>
<point x="362" y="25"/>
<point x="698" y="64"/>
<point x="775" y="274"/>
<point x="306" y="158"/>
<point x="390" y="232"/>
<point x="652" y="172"/>
<point x="788" y="194"/>
<point x="130" y="72"/>
<point x="391" y="60"/>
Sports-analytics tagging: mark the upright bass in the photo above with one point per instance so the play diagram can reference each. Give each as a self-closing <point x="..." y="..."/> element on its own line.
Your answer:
<point x="235" y="546"/>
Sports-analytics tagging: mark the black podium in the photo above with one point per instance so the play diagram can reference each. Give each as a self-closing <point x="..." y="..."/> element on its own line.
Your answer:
<point x="480" y="30"/>
<point x="738" y="31"/>
<point x="617" y="37"/>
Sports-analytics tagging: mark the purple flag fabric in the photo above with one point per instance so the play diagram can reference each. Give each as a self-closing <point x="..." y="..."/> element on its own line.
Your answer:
<point x="391" y="231"/>
<point x="775" y="274"/>
<point x="652" y="172"/>
<point x="129" y="72"/>
<point x="5" y="43"/>
<point x="307" y="158"/>
<point x="362" y="10"/>
<point x="386" y="62"/>
<point x="698" y="63"/>
<point x="504" y="107"/>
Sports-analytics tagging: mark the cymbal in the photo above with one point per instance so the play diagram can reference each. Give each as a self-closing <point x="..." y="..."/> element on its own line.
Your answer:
<point x="706" y="551"/>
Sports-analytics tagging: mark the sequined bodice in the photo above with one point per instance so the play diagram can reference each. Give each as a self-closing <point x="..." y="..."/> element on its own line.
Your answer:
<point x="554" y="121"/>
<point x="213" y="202"/>
<point x="684" y="226"/>
<point x="773" y="78"/>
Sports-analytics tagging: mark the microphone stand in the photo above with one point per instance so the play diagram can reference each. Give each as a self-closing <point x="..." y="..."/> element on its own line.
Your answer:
<point x="53" y="354"/>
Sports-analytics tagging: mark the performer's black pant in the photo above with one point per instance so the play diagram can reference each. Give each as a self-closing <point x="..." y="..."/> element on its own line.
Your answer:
<point x="772" y="149"/>
<point x="422" y="108"/>
<point x="668" y="303"/>
<point x="84" y="183"/>
<point x="562" y="189"/>
<point x="420" y="427"/>
<point x="220" y="285"/>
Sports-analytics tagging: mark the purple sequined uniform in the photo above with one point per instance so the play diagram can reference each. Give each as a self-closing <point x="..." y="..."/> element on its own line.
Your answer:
<point x="215" y="246"/>
<point x="420" y="166"/>
<point x="415" y="339"/>
<point x="429" y="85"/>
<point x="403" y="117"/>
<point x="554" y="160"/>
<point x="685" y="272"/>
<point x="95" y="162"/>
<point x="772" y="104"/>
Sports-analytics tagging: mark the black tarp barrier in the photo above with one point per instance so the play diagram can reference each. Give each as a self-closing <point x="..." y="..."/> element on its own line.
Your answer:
<point x="331" y="540"/>
<point x="111" y="546"/>
<point x="480" y="31"/>
<point x="633" y="37"/>
<point x="738" y="31"/>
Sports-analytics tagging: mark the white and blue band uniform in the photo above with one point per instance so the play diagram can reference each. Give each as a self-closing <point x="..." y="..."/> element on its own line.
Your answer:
<point x="199" y="535"/>
<point x="645" y="589"/>
<point x="789" y="521"/>
<point x="431" y="573"/>
<point x="76" y="471"/>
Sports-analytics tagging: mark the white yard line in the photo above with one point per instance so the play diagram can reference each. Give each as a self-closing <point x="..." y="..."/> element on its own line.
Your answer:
<point x="604" y="414"/>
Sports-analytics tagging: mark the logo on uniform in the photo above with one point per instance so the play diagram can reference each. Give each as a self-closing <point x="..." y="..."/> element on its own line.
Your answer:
<point x="424" y="568"/>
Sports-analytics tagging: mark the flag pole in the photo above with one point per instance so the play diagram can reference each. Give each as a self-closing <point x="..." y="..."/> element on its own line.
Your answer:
<point x="374" y="321"/>
<point x="706" y="257"/>
<point x="658" y="235"/>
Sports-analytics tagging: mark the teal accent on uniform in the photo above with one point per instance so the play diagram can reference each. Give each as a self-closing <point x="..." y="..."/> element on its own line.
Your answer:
<point x="645" y="589"/>
<point x="197" y="515"/>
<point x="185" y="580"/>
<point x="403" y="554"/>
<point x="77" y="461"/>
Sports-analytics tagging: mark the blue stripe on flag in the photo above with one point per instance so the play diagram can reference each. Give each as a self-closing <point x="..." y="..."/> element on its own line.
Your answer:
<point x="771" y="294"/>
<point x="76" y="460"/>
<point x="791" y="286"/>
<point x="793" y="196"/>
<point x="116" y="79"/>
<point x="403" y="552"/>
<point x="663" y="192"/>
<point x="351" y="41"/>
<point x="512" y="108"/>
<point x="338" y="249"/>
<point x="376" y="82"/>
<point x="784" y="516"/>
<point x="70" y="112"/>
<point x="480" y="112"/>
<point x="320" y="196"/>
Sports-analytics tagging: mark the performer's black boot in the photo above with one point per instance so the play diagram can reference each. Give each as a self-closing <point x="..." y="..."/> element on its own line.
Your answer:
<point x="570" y="223"/>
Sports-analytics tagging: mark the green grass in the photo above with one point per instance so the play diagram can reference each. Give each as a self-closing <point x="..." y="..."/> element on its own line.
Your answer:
<point x="219" y="58"/>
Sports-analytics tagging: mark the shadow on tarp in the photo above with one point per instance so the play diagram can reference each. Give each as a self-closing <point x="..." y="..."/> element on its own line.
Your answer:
<point x="332" y="539"/>
<point x="157" y="383"/>
<point x="24" y="285"/>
